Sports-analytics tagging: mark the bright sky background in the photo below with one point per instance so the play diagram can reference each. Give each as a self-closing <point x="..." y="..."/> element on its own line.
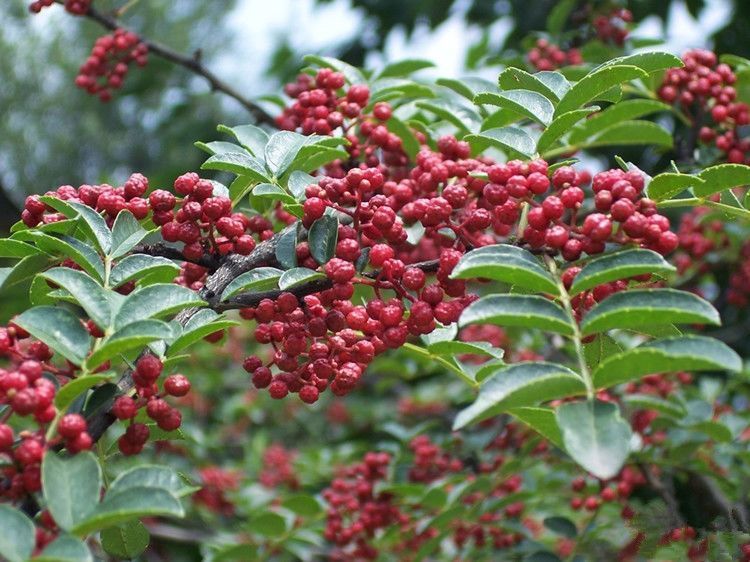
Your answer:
<point x="256" y="22"/>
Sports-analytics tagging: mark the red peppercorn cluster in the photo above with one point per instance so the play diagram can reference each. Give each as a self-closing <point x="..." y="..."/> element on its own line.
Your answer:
<point x="27" y="388"/>
<point x="704" y="244"/>
<point x="590" y="496"/>
<point x="108" y="64"/>
<point x="75" y="7"/>
<point x="204" y="222"/>
<point x="325" y="103"/>
<point x="147" y="371"/>
<point x="613" y="27"/>
<point x="704" y="90"/>
<point x="104" y="198"/>
<point x="216" y="483"/>
<point x="278" y="468"/>
<point x="552" y="223"/>
<point x="356" y="510"/>
<point x="430" y="461"/>
<point x="548" y="56"/>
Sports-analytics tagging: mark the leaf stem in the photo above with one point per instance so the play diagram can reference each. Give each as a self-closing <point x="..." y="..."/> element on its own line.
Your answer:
<point x="576" y="337"/>
<point x="697" y="201"/>
<point x="447" y="364"/>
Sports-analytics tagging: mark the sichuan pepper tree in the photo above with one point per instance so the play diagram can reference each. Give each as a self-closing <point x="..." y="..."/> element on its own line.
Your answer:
<point x="431" y="222"/>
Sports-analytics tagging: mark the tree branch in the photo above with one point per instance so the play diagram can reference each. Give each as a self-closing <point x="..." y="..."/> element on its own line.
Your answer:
<point x="194" y="64"/>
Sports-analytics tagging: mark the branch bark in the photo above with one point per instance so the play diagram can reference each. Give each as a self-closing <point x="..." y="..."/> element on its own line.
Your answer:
<point x="191" y="63"/>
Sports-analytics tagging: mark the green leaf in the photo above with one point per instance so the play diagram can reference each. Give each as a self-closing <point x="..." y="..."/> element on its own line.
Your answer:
<point x="10" y="248"/>
<point x="92" y="222"/>
<point x="151" y="476"/>
<point x="81" y="253"/>
<point x="304" y="505"/>
<point x="460" y="116"/>
<point x="322" y="238"/>
<point x="238" y="163"/>
<point x="72" y="390"/>
<point x="467" y="86"/>
<point x="509" y="264"/>
<point x="531" y="104"/>
<point x="562" y="125"/>
<point x="59" y="329"/>
<point x="511" y="140"/>
<point x="286" y="248"/>
<point x="140" y="266"/>
<point x="17" y="534"/>
<point x="599" y="349"/>
<point x="515" y="78"/>
<point x="634" y="132"/>
<point x="623" y="111"/>
<point x="259" y="279"/>
<point x="595" y="435"/>
<point x="562" y="526"/>
<point x="88" y="293"/>
<point x="132" y="336"/>
<point x="23" y="270"/>
<point x="715" y="430"/>
<point x="297" y="276"/>
<point x="667" y="185"/>
<point x="529" y="311"/>
<point x="518" y="385"/>
<point x="298" y="182"/>
<point x="651" y="402"/>
<point x="250" y="137"/>
<point x="268" y="524"/>
<point x="204" y="323"/>
<point x="282" y="149"/>
<point x="160" y="299"/>
<point x="555" y="81"/>
<point x="640" y="307"/>
<point x="409" y="141"/>
<point x="650" y="61"/>
<point x="217" y="147"/>
<point x="454" y="348"/>
<point x="682" y="353"/>
<point x="596" y="83"/>
<point x="128" y="540"/>
<point x="620" y="265"/>
<point x="721" y="177"/>
<point x="559" y="14"/>
<point x="71" y="487"/>
<point x="404" y="67"/>
<point x="66" y="549"/>
<point x="274" y="192"/>
<point x="130" y="504"/>
<point x="126" y="233"/>
<point x="541" y="420"/>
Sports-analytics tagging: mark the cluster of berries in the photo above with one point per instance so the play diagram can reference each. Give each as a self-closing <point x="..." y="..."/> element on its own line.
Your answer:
<point x="147" y="371"/>
<point x="704" y="89"/>
<point x="75" y="7"/>
<point x="548" y="56"/>
<point x="28" y="390"/>
<point x="204" y="222"/>
<point x="704" y="245"/>
<point x="357" y="510"/>
<point x="216" y="482"/>
<point x="326" y="103"/>
<point x="278" y="467"/>
<point x="107" y="66"/>
<point x="613" y="27"/>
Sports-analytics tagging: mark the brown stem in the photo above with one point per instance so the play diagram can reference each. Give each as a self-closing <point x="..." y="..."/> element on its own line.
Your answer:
<point x="194" y="64"/>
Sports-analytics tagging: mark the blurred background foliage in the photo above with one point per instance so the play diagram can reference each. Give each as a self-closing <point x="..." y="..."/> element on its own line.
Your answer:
<point x="52" y="133"/>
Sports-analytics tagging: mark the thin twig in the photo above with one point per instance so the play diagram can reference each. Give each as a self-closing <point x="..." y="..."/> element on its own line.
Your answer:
<point x="194" y="64"/>
<point x="665" y="494"/>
